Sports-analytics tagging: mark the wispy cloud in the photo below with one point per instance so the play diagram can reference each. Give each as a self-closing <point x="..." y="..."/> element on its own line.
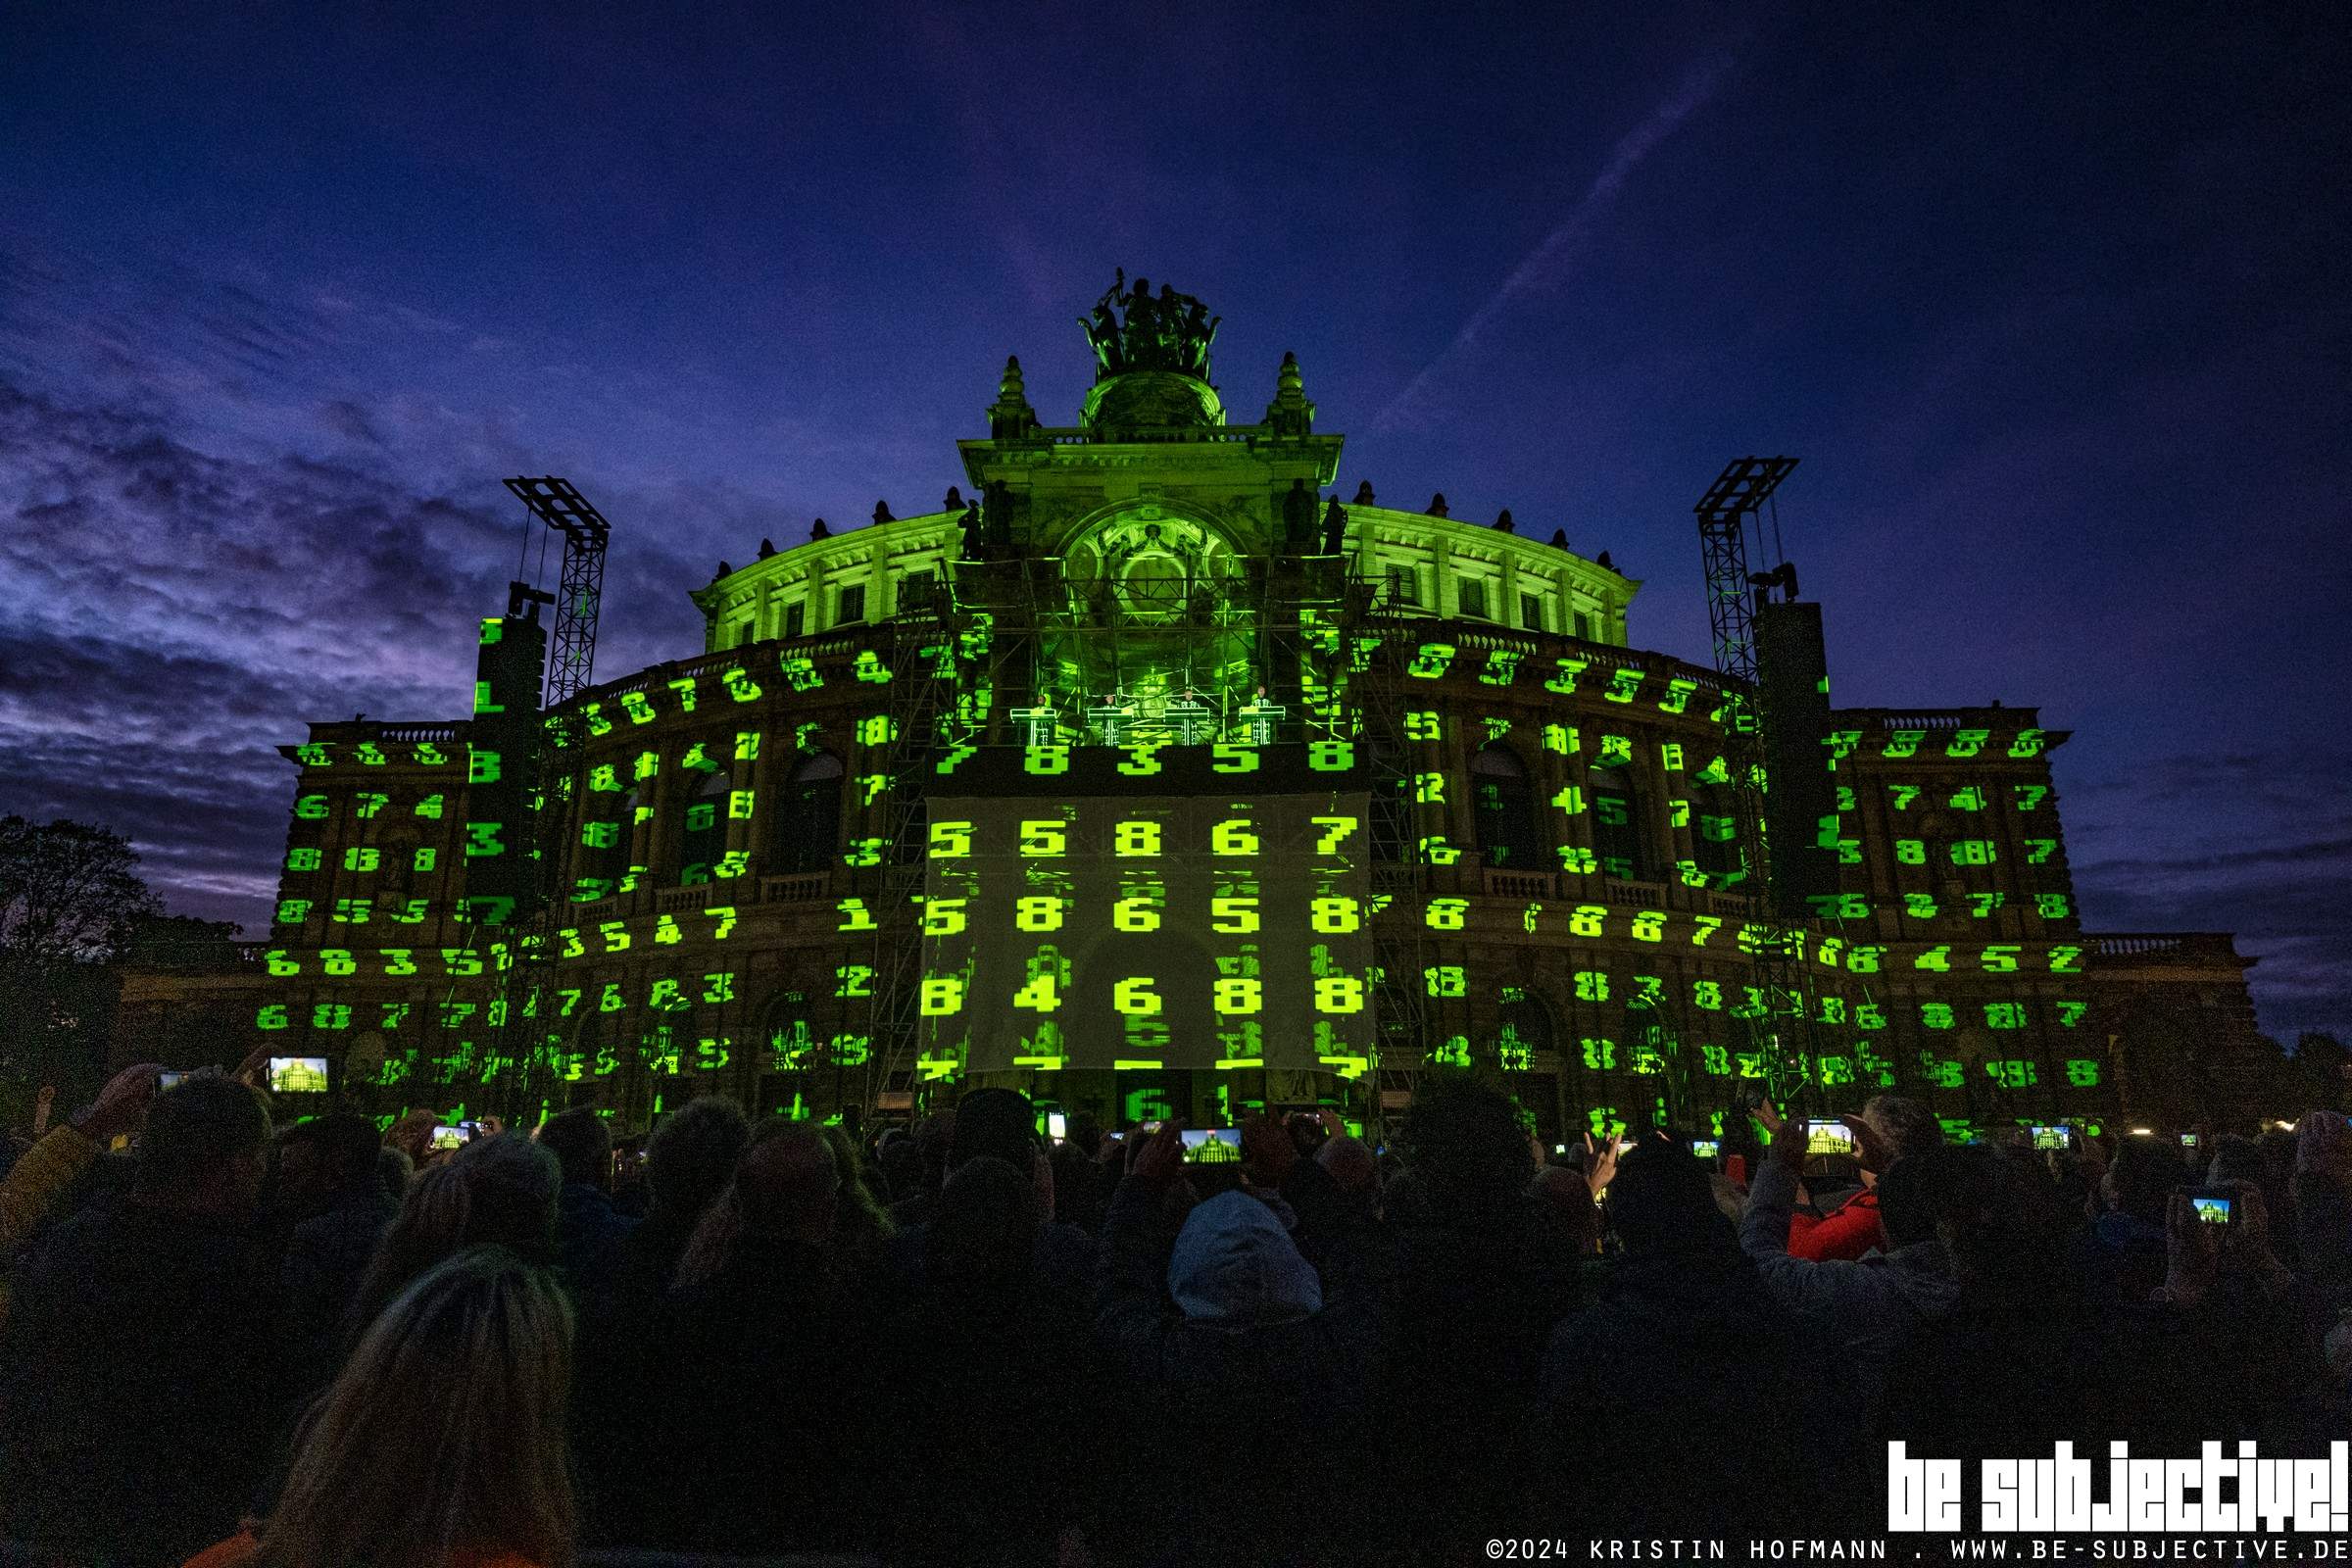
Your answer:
<point x="1548" y="261"/>
<point x="215" y="526"/>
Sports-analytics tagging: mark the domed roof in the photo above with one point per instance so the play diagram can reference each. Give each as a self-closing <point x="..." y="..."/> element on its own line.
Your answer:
<point x="1151" y="400"/>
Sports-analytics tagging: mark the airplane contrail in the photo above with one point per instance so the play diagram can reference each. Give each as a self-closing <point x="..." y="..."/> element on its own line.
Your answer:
<point x="1544" y="261"/>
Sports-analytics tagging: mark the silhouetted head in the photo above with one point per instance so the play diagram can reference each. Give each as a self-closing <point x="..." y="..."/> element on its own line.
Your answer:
<point x="582" y="1144"/>
<point x="328" y="1154"/>
<point x="1464" y="1142"/>
<point x="205" y="1147"/>
<point x="902" y="1162"/>
<point x="935" y="1136"/>
<point x="2139" y="1182"/>
<point x="1906" y="1125"/>
<point x="1959" y="1193"/>
<point x="1566" y="1192"/>
<point x="1350" y="1163"/>
<point x="1662" y="1199"/>
<point x="395" y="1170"/>
<point x="787" y="1183"/>
<point x="692" y="1155"/>
<point x="497" y="1192"/>
<point x="1978" y="1213"/>
<point x="983" y="1234"/>
<point x="2234" y="1159"/>
<point x="995" y="1124"/>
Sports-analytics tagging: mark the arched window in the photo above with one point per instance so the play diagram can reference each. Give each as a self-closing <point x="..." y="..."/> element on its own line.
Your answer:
<point x="806" y="829"/>
<point x="787" y="1026"/>
<point x="1522" y="1028"/>
<point x="703" y="835"/>
<point x="1504" y="805"/>
<point x="398" y="863"/>
<point x="1620" y="829"/>
<point x="1715" y="835"/>
<point x="607" y="831"/>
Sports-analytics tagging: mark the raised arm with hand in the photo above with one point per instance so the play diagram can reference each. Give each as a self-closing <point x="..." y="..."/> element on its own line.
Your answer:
<point x="1130" y="1301"/>
<point x="34" y="1183"/>
<point x="1800" y="1284"/>
<point x="1600" y="1160"/>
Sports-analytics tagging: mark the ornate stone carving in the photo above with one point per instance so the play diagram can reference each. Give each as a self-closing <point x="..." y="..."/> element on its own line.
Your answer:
<point x="1290" y="413"/>
<point x="1169" y="332"/>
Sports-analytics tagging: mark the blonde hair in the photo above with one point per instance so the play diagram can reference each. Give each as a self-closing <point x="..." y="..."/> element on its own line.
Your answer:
<point x="444" y="1438"/>
<point x="497" y="1191"/>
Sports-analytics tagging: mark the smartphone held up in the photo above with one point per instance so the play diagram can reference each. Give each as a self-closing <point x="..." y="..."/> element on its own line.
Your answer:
<point x="1828" y="1136"/>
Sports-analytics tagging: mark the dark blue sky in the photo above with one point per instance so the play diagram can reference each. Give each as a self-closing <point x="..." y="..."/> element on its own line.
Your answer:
<point x="2051" y="301"/>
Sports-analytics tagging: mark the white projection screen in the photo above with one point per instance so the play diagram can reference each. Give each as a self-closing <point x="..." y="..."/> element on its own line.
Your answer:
<point x="1185" y="931"/>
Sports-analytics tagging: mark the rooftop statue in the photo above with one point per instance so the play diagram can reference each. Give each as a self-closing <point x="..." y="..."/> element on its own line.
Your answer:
<point x="1169" y="332"/>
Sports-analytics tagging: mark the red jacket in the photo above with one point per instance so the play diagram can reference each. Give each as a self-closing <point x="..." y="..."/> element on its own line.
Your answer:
<point x="1848" y="1232"/>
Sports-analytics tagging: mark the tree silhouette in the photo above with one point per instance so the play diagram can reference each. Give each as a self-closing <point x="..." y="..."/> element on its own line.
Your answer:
<point x="70" y="904"/>
<point x="69" y="893"/>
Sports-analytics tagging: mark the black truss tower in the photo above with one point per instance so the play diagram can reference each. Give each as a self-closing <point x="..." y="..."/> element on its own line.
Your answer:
<point x="1736" y="496"/>
<point x="579" y="600"/>
<point x="580" y="592"/>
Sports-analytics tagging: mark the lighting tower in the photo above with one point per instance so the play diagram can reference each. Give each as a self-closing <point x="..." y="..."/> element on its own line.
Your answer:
<point x="580" y="590"/>
<point x="1738" y="495"/>
<point x="572" y="661"/>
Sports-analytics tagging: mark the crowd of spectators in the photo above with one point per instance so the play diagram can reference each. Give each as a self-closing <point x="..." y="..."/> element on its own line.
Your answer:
<point x="230" y="1342"/>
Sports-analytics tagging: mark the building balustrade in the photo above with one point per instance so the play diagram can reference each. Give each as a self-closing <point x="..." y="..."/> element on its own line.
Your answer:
<point x="2173" y="947"/>
<point x="1518" y="884"/>
<point x="425" y="732"/>
<point x="200" y="955"/>
<point x="1635" y="895"/>
<point x="1942" y="718"/>
<point x="798" y="887"/>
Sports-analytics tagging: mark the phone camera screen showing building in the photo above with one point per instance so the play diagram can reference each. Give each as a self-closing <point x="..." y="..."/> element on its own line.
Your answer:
<point x="1078" y="916"/>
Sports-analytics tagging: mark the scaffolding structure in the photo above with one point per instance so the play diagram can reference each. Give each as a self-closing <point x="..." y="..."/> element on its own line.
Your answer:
<point x="581" y="579"/>
<point x="520" y="959"/>
<point x="886" y="875"/>
<point x="1733" y="503"/>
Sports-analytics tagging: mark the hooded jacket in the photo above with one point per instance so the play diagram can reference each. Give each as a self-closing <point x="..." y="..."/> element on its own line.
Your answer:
<point x="1235" y="1266"/>
<point x="1230" y="1298"/>
<point x="1226" y="1327"/>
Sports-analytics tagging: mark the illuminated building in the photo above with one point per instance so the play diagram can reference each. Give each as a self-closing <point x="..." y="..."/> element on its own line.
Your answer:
<point x="1159" y="775"/>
